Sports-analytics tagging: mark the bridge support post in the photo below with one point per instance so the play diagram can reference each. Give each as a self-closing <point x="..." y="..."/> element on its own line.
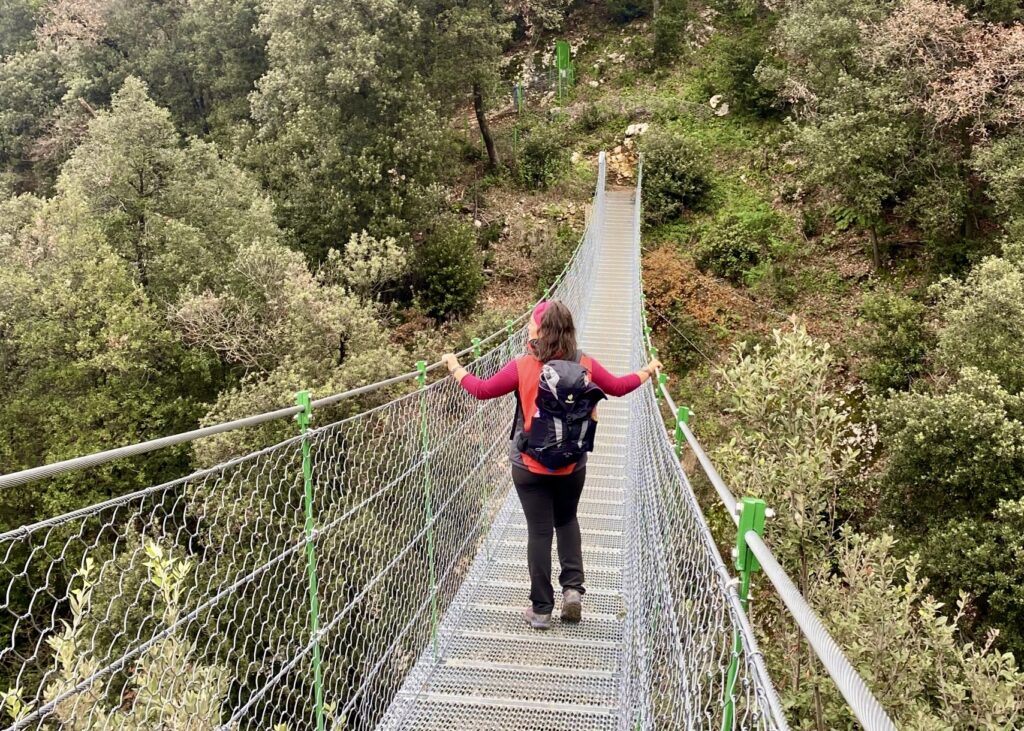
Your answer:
<point x="428" y="506"/>
<point x="752" y="515"/>
<point x="304" y="418"/>
<point x="682" y="417"/>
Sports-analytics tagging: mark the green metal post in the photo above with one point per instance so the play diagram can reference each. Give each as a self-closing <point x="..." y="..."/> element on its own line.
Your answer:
<point x="563" y="64"/>
<point x="428" y="506"/>
<point x="662" y="381"/>
<point x="682" y="416"/>
<point x="304" y="417"/>
<point x="752" y="515"/>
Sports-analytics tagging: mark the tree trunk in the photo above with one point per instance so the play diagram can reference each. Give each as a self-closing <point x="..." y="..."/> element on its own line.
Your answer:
<point x="876" y="254"/>
<point x="485" y="131"/>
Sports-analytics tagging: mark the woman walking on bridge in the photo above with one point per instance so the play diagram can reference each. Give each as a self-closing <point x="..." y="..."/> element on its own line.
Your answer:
<point x="549" y="495"/>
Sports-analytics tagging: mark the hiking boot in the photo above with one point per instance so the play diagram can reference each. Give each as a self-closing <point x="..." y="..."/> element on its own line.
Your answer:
<point x="537" y="621"/>
<point x="572" y="605"/>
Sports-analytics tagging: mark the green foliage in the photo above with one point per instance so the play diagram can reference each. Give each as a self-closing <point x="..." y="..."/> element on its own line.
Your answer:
<point x="347" y="135"/>
<point x="370" y="267"/>
<point x="30" y="87"/>
<point x="271" y="309"/>
<point x="732" y="59"/>
<point x="552" y="254"/>
<point x="939" y="467"/>
<point x="176" y="213"/>
<point x="88" y="363"/>
<point x="1001" y="164"/>
<point x="169" y="688"/>
<point x="984" y="556"/>
<point x="739" y="237"/>
<point x="17" y="21"/>
<point x="594" y="117"/>
<point x="910" y="653"/>
<point x="448" y="273"/>
<point x="899" y="341"/>
<point x="984" y="321"/>
<point x="793" y="441"/>
<point x="626" y="11"/>
<point x="677" y="176"/>
<point x="543" y="157"/>
<point x="669" y="27"/>
<point x="683" y="338"/>
<point x="997" y="11"/>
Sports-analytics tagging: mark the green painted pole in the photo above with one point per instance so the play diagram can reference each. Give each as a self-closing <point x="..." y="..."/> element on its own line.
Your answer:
<point x="662" y="381"/>
<point x="752" y="515"/>
<point x="304" y="418"/>
<point x="428" y="506"/>
<point x="682" y="416"/>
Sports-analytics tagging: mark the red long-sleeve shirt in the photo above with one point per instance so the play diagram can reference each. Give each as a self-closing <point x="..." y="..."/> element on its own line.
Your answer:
<point x="507" y="379"/>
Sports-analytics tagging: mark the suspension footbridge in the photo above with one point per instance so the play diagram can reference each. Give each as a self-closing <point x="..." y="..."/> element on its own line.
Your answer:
<point x="369" y="572"/>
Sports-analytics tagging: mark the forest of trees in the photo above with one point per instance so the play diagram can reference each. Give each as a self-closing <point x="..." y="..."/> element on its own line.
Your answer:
<point x="206" y="206"/>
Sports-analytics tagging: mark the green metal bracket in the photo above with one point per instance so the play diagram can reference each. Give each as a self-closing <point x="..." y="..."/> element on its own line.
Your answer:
<point x="682" y="416"/>
<point x="428" y="505"/>
<point x="547" y="293"/>
<point x="752" y="515"/>
<point x="662" y="382"/>
<point x="304" y="418"/>
<point x="476" y="349"/>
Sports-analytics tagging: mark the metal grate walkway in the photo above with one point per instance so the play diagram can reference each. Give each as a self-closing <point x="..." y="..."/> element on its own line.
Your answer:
<point x="491" y="670"/>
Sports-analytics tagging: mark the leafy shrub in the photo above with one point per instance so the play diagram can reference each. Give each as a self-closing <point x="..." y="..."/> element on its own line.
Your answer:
<point x="732" y="59"/>
<point x="669" y="31"/>
<point x="626" y="11"/>
<point x="551" y="254"/>
<point x="594" y="117"/>
<point x="880" y="610"/>
<point x="728" y="250"/>
<point x="542" y="157"/>
<point x="985" y="558"/>
<point x="984" y="321"/>
<point x="737" y="240"/>
<point x="677" y="176"/>
<point x="448" y="271"/>
<point x="956" y="452"/>
<point x="899" y="342"/>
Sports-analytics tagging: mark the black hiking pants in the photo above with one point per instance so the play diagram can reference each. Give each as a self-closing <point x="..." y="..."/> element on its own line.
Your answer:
<point x="549" y="503"/>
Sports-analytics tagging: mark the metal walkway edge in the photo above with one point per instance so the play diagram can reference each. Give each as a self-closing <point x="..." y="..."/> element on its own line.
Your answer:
<point x="492" y="672"/>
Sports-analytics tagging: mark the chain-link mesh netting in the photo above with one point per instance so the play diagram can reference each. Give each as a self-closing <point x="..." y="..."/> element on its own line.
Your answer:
<point x="190" y="605"/>
<point x="692" y="661"/>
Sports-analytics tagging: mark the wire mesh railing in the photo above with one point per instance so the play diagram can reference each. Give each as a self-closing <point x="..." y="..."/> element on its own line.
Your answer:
<point x="288" y="589"/>
<point x="692" y="658"/>
<point x="750" y="700"/>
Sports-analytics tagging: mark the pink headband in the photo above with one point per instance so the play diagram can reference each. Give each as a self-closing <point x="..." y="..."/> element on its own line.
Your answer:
<point x="538" y="313"/>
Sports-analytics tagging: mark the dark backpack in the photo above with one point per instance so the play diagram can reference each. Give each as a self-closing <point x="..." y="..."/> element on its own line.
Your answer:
<point x="563" y="425"/>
